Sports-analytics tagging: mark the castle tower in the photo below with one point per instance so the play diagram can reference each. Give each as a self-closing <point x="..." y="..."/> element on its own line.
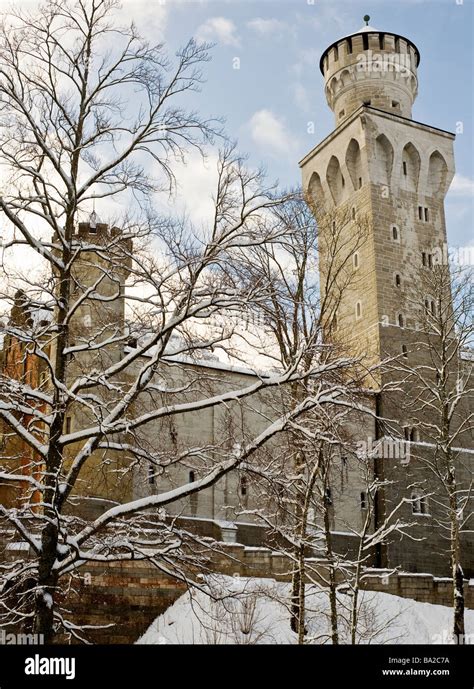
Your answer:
<point x="393" y="172"/>
<point x="98" y="275"/>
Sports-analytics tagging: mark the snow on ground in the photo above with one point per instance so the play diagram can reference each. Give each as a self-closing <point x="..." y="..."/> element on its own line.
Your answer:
<point x="255" y="611"/>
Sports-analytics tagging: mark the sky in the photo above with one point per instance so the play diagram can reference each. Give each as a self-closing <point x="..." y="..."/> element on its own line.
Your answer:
<point x="264" y="79"/>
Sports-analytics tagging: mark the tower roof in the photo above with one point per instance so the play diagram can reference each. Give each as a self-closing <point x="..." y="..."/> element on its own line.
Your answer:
<point x="369" y="29"/>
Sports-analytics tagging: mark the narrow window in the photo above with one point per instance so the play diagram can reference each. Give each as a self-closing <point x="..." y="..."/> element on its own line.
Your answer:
<point x="419" y="503"/>
<point x="343" y="181"/>
<point x="360" y="182"/>
<point x="395" y="233"/>
<point x="405" y="172"/>
<point x="243" y="486"/>
<point x="353" y="213"/>
<point x="423" y="258"/>
<point x="68" y="425"/>
<point x="420" y="212"/>
<point x="365" y="41"/>
<point x="328" y="496"/>
<point x="191" y="477"/>
<point x="430" y="261"/>
<point x="151" y="474"/>
<point x="433" y="308"/>
<point x="406" y="432"/>
<point x="336" y="53"/>
<point x="405" y="351"/>
<point x="363" y="500"/>
<point x="427" y="215"/>
<point x="356" y="260"/>
<point x="427" y="306"/>
<point x="358" y="309"/>
<point x="398" y="280"/>
<point x="381" y="41"/>
<point x="401" y="320"/>
<point x="349" y="46"/>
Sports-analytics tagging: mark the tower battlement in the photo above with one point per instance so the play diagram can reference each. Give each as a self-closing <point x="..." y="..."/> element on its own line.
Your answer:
<point x="370" y="67"/>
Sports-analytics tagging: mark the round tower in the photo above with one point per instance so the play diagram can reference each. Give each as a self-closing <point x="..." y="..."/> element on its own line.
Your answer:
<point x="370" y="67"/>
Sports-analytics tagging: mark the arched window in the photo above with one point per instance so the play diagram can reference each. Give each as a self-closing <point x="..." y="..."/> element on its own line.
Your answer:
<point x="400" y="320"/>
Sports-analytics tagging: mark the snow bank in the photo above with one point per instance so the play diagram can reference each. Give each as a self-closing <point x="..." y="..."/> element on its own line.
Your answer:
<point x="255" y="611"/>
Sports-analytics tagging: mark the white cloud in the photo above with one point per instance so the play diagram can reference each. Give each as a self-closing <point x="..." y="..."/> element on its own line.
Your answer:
<point x="265" y="27"/>
<point x="269" y="133"/>
<point x="196" y="183"/>
<point x="150" y="18"/>
<point x="218" y="29"/>
<point x="462" y="186"/>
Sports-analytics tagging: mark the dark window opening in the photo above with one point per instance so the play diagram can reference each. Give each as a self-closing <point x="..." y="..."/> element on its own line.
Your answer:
<point x="243" y="486"/>
<point x="68" y="424"/>
<point x="395" y="104"/>
<point x="151" y="474"/>
<point x="360" y="182"/>
<point x="349" y="46"/>
<point x="405" y="351"/>
<point x="365" y="41"/>
<point x="419" y="504"/>
<point x="426" y="215"/>
<point x="343" y="181"/>
<point x="381" y="41"/>
<point x="405" y="170"/>
<point x="420" y="212"/>
<point x="398" y="280"/>
<point x="353" y="214"/>
<point x="423" y="258"/>
<point x="433" y="308"/>
<point x="328" y="496"/>
<point x="394" y="233"/>
<point x="400" y="320"/>
<point x="366" y="102"/>
<point x="363" y="500"/>
<point x="430" y="261"/>
<point x="191" y="477"/>
<point x="336" y="53"/>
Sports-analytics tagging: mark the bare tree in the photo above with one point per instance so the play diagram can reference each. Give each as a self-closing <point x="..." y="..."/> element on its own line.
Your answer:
<point x="71" y="351"/>
<point x="436" y="376"/>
